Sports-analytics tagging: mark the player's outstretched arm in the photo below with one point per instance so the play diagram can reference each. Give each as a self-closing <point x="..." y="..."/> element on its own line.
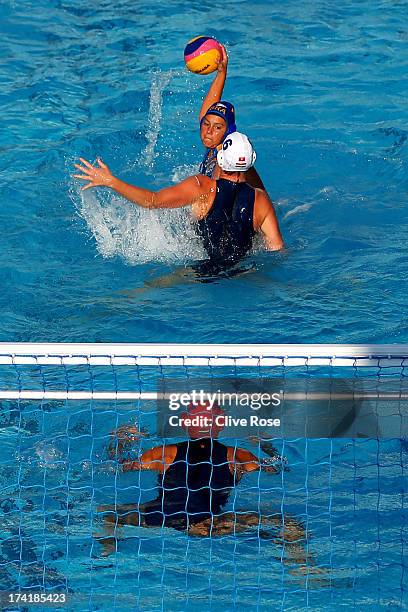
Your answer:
<point x="122" y="441"/>
<point x="244" y="462"/>
<point x="156" y="459"/>
<point x="176" y="196"/>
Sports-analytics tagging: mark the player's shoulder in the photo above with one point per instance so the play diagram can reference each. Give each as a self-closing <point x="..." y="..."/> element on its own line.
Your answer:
<point x="260" y="193"/>
<point x="203" y="181"/>
<point x="262" y="200"/>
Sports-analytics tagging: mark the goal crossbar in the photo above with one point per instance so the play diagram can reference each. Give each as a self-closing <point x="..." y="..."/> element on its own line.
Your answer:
<point x="191" y="355"/>
<point x="27" y="353"/>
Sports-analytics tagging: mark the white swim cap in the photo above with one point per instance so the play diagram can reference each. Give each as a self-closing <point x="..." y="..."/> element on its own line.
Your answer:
<point x="237" y="153"/>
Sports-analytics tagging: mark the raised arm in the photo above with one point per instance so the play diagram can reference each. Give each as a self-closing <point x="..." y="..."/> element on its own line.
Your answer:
<point x="217" y="87"/>
<point x="176" y="196"/>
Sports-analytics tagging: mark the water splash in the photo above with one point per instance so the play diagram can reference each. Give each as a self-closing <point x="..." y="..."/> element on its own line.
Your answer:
<point x="139" y="235"/>
<point x="182" y="172"/>
<point x="159" y="84"/>
<point x="297" y="210"/>
<point x="48" y="455"/>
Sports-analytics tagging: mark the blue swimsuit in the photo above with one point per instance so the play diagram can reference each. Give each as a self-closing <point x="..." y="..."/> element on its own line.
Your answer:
<point x="194" y="487"/>
<point x="227" y="230"/>
<point x="209" y="162"/>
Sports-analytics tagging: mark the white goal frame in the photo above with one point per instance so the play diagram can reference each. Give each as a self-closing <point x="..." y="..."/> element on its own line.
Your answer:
<point x="191" y="355"/>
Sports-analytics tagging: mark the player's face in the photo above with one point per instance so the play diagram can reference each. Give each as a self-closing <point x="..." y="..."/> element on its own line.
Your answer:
<point x="213" y="129"/>
<point x="202" y="423"/>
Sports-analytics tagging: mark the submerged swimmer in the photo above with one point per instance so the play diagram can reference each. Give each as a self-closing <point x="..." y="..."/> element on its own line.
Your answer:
<point x="217" y="121"/>
<point x="195" y="480"/>
<point x="228" y="211"/>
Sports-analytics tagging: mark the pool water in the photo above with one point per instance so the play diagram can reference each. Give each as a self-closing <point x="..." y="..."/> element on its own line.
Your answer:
<point x="321" y="89"/>
<point x="55" y="472"/>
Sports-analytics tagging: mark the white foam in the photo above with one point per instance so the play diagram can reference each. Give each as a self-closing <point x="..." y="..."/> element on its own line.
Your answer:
<point x="122" y="229"/>
<point x="297" y="210"/>
<point x="182" y="172"/>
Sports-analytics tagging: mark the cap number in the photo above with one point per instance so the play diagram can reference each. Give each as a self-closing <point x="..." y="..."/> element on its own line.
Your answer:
<point x="226" y="144"/>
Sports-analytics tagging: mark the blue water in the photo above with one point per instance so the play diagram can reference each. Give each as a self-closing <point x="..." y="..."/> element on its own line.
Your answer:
<point x="321" y="89"/>
<point x="54" y="472"/>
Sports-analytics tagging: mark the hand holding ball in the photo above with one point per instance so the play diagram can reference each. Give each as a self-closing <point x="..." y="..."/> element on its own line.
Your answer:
<point x="202" y="55"/>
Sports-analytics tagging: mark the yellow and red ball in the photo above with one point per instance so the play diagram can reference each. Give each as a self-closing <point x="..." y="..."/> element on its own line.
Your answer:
<point x="202" y="54"/>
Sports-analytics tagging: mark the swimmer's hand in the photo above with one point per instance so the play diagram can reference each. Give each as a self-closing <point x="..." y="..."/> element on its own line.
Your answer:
<point x="128" y="432"/>
<point x="275" y="461"/>
<point x="122" y="438"/>
<point x="97" y="176"/>
<point x="222" y="64"/>
<point x="264" y="445"/>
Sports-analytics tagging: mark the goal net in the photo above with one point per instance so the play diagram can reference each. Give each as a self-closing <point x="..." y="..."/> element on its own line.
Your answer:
<point x="147" y="476"/>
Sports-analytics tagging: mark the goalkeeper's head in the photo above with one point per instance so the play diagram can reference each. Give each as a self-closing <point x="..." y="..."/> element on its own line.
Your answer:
<point x="203" y="420"/>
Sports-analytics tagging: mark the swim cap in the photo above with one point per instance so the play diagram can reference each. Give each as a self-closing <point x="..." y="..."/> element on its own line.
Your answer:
<point x="226" y="111"/>
<point x="237" y="153"/>
<point x="203" y="420"/>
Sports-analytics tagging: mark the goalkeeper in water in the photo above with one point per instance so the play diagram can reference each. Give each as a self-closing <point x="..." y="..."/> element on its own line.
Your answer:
<point x="195" y="480"/>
